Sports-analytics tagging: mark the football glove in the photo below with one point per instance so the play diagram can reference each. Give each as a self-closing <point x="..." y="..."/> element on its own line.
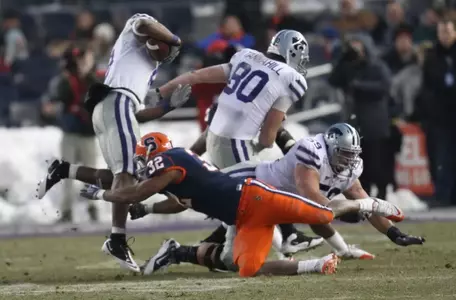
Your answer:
<point x="174" y="50"/>
<point x="137" y="211"/>
<point x="92" y="192"/>
<point x="402" y="239"/>
<point x="178" y="98"/>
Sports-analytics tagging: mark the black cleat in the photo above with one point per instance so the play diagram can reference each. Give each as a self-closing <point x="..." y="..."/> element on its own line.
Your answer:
<point x="299" y="242"/>
<point x="121" y="252"/>
<point x="57" y="171"/>
<point x="162" y="259"/>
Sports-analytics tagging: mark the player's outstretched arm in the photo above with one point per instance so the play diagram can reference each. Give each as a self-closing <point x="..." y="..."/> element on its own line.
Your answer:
<point x="307" y="182"/>
<point x="168" y="206"/>
<point x="382" y="224"/>
<point x="132" y="194"/>
<point x="214" y="74"/>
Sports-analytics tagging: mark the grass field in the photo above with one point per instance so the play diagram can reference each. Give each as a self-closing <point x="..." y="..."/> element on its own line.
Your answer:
<point x="74" y="268"/>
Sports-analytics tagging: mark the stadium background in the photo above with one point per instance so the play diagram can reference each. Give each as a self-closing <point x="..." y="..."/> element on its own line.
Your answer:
<point x="33" y="120"/>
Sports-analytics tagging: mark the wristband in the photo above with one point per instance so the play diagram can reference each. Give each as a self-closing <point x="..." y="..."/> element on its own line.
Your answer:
<point x="393" y="233"/>
<point x="100" y="194"/>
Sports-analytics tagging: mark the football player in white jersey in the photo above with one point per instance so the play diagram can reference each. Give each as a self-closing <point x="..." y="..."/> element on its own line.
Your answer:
<point x="260" y="90"/>
<point x="319" y="168"/>
<point x="116" y="106"/>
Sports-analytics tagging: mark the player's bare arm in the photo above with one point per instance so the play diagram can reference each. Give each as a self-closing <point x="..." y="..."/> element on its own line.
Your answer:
<point x="214" y="74"/>
<point x="307" y="181"/>
<point x="151" y="28"/>
<point x="171" y="205"/>
<point x="135" y="193"/>
<point x="271" y="126"/>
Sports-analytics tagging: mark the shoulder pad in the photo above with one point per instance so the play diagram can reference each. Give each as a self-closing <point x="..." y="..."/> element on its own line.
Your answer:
<point x="307" y="153"/>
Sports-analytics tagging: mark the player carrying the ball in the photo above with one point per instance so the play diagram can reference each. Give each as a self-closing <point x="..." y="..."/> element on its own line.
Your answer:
<point x="116" y="107"/>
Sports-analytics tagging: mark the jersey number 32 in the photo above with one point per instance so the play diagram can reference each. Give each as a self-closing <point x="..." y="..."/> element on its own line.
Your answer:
<point x="242" y="78"/>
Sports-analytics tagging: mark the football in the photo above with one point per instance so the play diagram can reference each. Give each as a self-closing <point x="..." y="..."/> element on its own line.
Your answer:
<point x="158" y="50"/>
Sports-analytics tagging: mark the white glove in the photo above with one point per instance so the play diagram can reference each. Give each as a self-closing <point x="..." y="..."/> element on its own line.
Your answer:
<point x="92" y="192"/>
<point x="180" y="95"/>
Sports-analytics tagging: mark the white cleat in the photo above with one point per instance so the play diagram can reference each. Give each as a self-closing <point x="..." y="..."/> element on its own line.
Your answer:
<point x="327" y="264"/>
<point x="162" y="259"/>
<point x="354" y="253"/>
<point x="296" y="243"/>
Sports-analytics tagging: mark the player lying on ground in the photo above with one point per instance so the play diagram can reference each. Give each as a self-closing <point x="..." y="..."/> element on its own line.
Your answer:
<point x="325" y="165"/>
<point x="325" y="186"/>
<point x="254" y="207"/>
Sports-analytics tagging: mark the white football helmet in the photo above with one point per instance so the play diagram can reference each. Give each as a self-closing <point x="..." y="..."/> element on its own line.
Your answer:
<point x="293" y="47"/>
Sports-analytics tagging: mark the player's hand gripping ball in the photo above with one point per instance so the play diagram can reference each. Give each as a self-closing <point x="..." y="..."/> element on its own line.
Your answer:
<point x="158" y="50"/>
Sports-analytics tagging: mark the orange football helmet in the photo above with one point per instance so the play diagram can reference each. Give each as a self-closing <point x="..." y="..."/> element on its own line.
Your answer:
<point x="150" y="145"/>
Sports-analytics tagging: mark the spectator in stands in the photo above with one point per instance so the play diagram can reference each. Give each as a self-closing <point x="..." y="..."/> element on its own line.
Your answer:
<point x="402" y="52"/>
<point x="427" y="28"/>
<point x="78" y="143"/>
<point x="353" y="20"/>
<point x="103" y="39"/>
<point x="438" y="103"/>
<point x="406" y="85"/>
<point x="85" y="23"/>
<point x="365" y="81"/>
<point x="230" y="33"/>
<point x="283" y="19"/>
<point x="16" y="48"/>
<point x="395" y="18"/>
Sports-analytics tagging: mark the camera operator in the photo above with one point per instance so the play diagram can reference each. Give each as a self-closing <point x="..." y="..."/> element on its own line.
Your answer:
<point x="365" y="81"/>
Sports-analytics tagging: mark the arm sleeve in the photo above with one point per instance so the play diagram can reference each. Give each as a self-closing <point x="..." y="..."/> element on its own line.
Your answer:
<point x="297" y="87"/>
<point x="307" y="155"/>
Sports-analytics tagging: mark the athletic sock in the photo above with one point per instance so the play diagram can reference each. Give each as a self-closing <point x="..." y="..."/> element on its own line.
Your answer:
<point x="72" y="170"/>
<point x="336" y="241"/>
<point x="307" y="266"/>
<point x="118" y="231"/>
<point x="186" y="254"/>
<point x="217" y="236"/>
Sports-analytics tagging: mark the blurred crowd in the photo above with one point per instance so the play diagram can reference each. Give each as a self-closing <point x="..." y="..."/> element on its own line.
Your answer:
<point x="393" y="62"/>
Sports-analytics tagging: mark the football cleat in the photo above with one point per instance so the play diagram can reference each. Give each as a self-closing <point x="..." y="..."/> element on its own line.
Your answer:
<point x="353" y="252"/>
<point x="327" y="264"/>
<point x="121" y="252"/>
<point x="162" y="259"/>
<point x="387" y="210"/>
<point x="299" y="242"/>
<point x="53" y="176"/>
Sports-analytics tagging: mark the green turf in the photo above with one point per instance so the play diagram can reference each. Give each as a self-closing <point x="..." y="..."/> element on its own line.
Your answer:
<point x="73" y="268"/>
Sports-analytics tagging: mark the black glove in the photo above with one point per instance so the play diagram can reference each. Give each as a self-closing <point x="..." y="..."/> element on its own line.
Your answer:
<point x="137" y="211"/>
<point x="402" y="239"/>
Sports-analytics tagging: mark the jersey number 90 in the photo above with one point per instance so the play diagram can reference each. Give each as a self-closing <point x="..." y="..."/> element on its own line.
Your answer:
<point x="241" y="78"/>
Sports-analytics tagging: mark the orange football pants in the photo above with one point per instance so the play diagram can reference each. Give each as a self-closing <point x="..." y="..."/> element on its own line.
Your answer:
<point x="261" y="207"/>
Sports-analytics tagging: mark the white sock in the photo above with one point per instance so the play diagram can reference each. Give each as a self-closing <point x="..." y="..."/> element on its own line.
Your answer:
<point x="307" y="266"/>
<point x="365" y="205"/>
<point x="277" y="239"/>
<point x="337" y="242"/>
<point x="118" y="230"/>
<point x="72" y="171"/>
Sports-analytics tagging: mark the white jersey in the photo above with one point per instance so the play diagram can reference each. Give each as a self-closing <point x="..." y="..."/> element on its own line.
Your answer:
<point x="312" y="153"/>
<point x="130" y="65"/>
<point x="256" y="84"/>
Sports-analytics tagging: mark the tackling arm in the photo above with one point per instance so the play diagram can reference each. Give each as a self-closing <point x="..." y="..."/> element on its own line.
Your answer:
<point x="143" y="190"/>
<point x="199" y="147"/>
